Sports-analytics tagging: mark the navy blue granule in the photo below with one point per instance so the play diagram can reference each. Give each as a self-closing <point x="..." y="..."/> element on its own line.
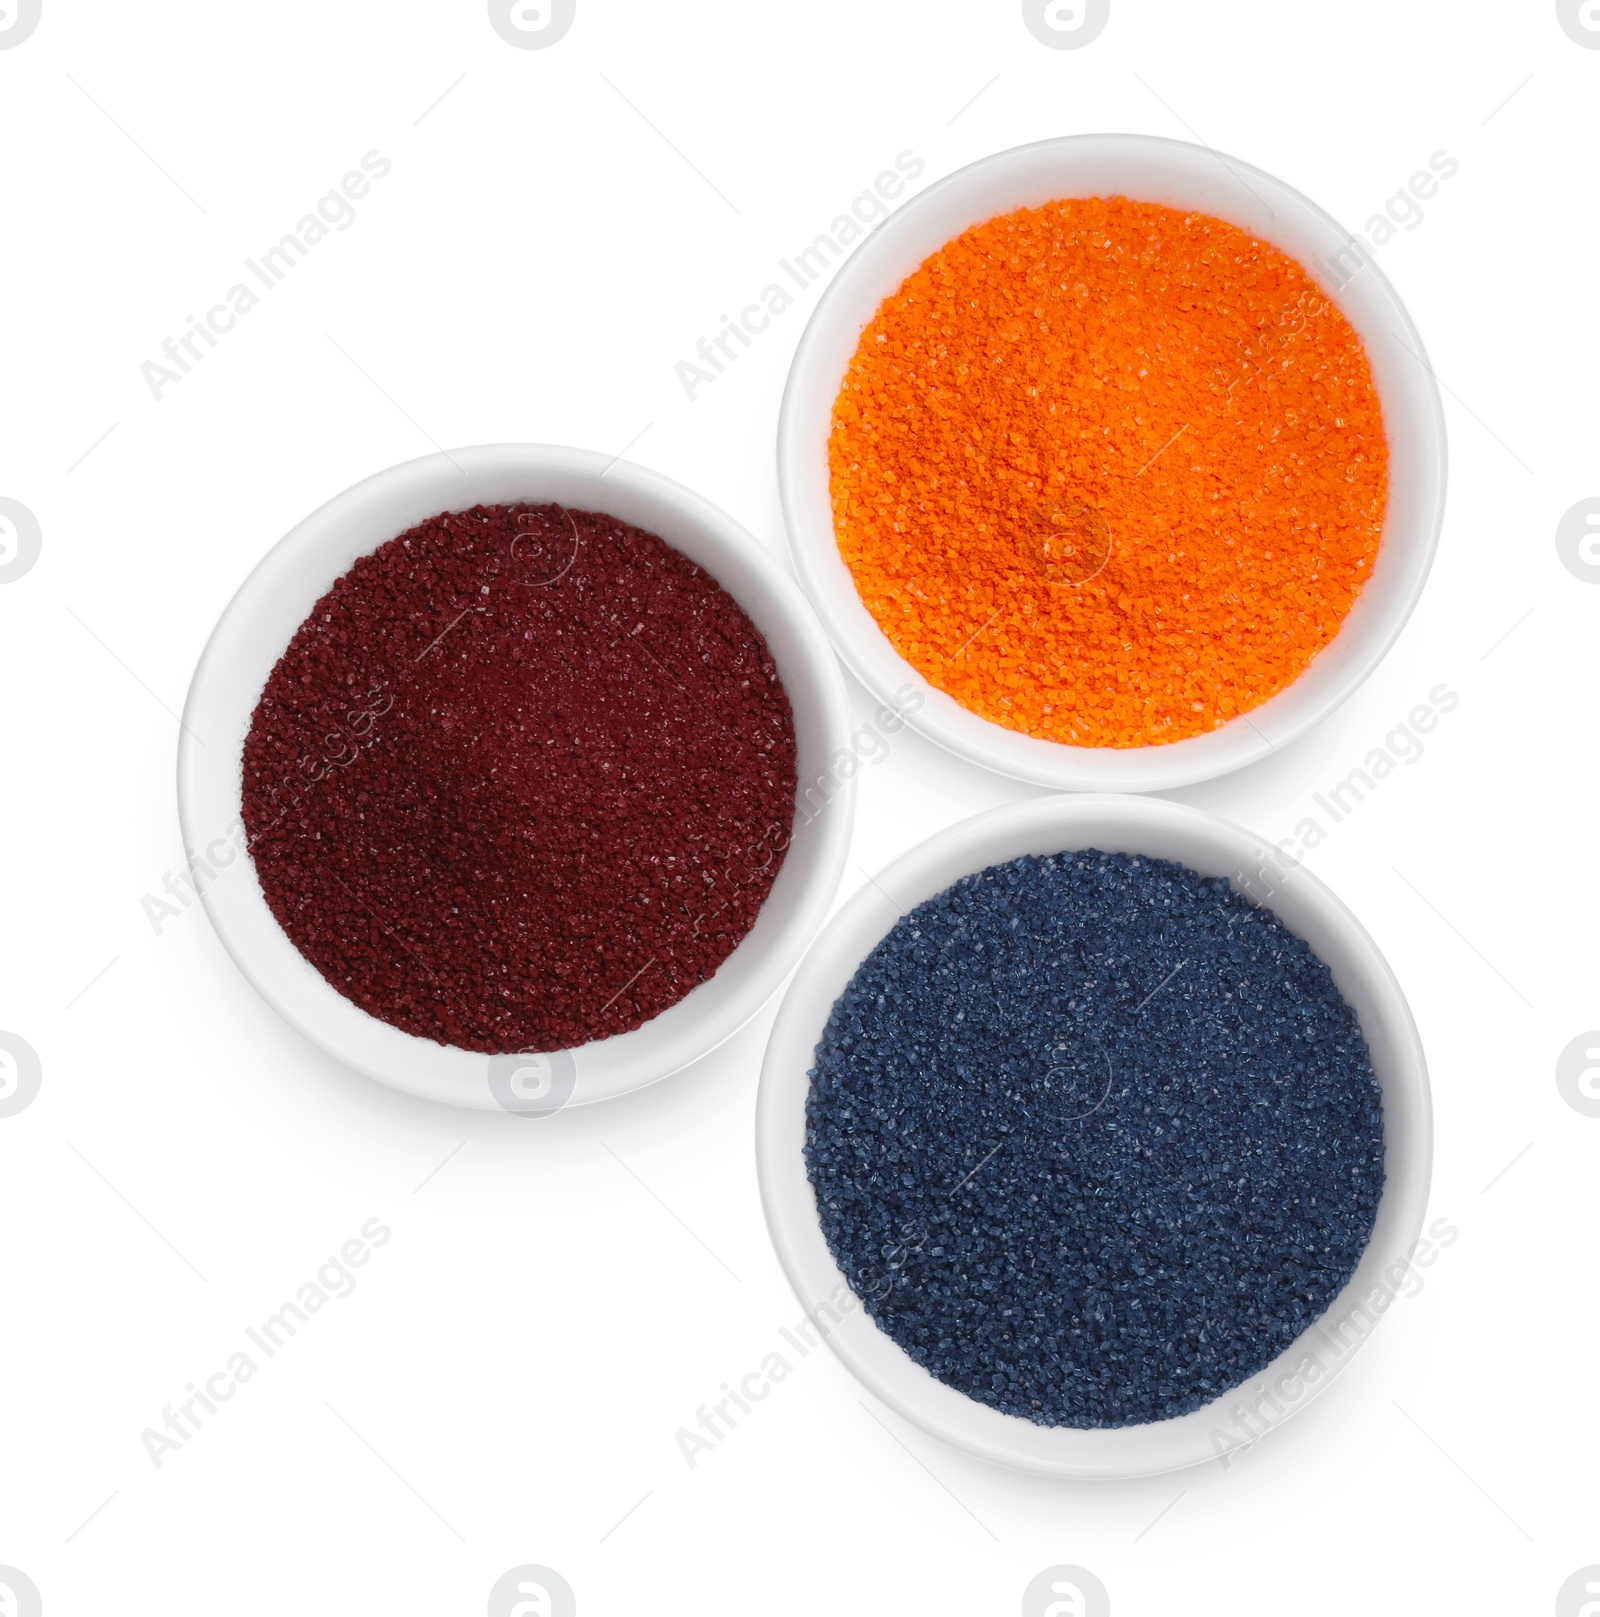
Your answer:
<point x="1094" y="1139"/>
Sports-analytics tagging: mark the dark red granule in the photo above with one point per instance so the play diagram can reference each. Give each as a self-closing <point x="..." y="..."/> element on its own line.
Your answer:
<point x="522" y="779"/>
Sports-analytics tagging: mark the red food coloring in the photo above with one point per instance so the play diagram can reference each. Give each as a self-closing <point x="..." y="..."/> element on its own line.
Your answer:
<point x="523" y="779"/>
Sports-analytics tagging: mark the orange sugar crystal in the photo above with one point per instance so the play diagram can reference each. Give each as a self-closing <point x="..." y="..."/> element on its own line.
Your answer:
<point x="1108" y="473"/>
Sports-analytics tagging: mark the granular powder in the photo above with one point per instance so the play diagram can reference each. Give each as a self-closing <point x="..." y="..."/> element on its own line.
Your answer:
<point x="522" y="779"/>
<point x="1108" y="473"/>
<point x="1093" y="1139"/>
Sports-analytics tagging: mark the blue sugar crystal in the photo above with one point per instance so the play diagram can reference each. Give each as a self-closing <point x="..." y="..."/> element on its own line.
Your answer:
<point x="1093" y="1139"/>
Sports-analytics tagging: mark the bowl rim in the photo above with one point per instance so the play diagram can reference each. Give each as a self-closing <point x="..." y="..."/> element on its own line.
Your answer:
<point x="1387" y="599"/>
<point x="1120" y="823"/>
<point x="301" y="566"/>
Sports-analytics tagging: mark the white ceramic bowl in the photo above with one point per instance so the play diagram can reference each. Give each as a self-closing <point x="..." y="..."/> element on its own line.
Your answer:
<point x="1214" y="847"/>
<point x="276" y="598"/>
<point x="1149" y="170"/>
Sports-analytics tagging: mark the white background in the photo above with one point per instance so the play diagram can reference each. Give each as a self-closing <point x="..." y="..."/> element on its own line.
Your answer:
<point x="522" y="1352"/>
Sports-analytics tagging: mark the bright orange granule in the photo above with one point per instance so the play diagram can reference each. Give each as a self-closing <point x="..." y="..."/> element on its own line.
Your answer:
<point x="1108" y="473"/>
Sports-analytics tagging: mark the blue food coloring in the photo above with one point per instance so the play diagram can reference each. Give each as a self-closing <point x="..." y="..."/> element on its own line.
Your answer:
<point x="1093" y="1138"/>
